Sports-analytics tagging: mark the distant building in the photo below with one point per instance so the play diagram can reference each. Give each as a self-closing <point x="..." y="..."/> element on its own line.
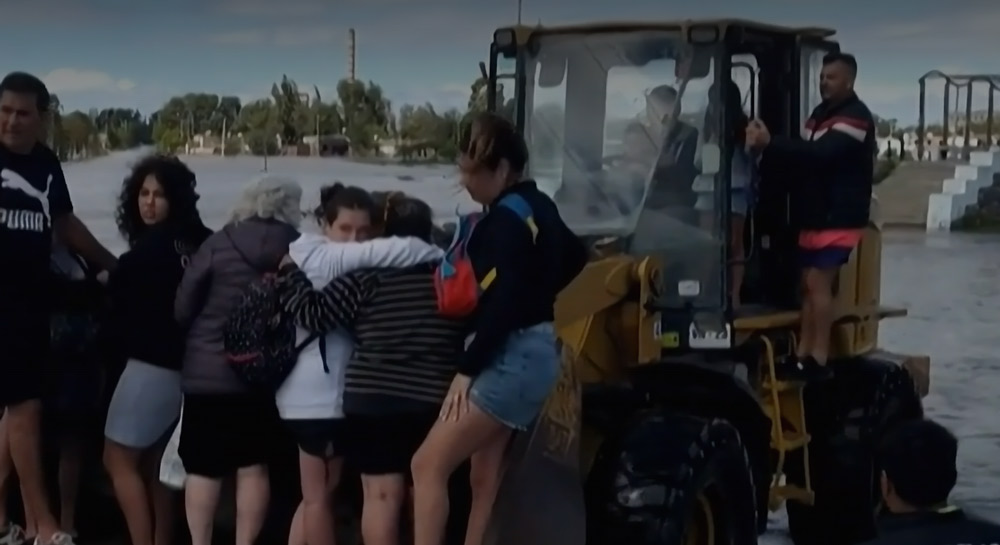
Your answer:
<point x="330" y="145"/>
<point x="205" y="143"/>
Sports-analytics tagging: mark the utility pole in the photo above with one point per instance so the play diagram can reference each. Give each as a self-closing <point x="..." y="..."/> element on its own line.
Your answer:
<point x="519" y="11"/>
<point x="223" y="145"/>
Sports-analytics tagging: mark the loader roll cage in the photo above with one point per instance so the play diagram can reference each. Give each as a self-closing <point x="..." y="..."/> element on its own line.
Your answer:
<point x="576" y="92"/>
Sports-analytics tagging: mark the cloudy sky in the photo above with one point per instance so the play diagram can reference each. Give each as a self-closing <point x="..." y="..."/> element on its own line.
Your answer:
<point x="138" y="53"/>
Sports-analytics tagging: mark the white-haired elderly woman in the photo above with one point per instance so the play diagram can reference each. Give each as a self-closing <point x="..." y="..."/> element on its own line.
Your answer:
<point x="228" y="429"/>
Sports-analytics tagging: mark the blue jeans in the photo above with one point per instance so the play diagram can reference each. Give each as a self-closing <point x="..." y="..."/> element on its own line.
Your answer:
<point x="514" y="386"/>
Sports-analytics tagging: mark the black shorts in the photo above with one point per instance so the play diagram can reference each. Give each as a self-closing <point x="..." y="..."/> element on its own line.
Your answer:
<point x="323" y="438"/>
<point x="385" y="444"/>
<point x="221" y="433"/>
<point x="24" y="358"/>
<point x="72" y="397"/>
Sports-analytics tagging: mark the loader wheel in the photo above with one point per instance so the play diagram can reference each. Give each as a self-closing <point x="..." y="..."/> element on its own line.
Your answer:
<point x="673" y="479"/>
<point x="865" y="401"/>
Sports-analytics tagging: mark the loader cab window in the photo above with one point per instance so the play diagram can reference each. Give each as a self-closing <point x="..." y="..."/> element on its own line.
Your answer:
<point x="812" y="65"/>
<point x="506" y="76"/>
<point x="584" y="93"/>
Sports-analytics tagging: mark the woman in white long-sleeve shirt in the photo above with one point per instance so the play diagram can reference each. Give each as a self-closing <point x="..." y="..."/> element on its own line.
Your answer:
<point x="311" y="400"/>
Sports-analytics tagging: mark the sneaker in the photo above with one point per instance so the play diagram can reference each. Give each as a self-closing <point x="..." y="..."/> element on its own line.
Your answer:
<point x="12" y="534"/>
<point x="58" y="538"/>
<point x="805" y="369"/>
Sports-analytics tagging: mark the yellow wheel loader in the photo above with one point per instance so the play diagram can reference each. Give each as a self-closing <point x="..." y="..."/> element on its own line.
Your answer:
<point x="669" y="425"/>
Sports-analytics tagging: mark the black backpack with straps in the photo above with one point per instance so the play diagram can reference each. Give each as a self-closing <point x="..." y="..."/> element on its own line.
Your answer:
<point x="259" y="336"/>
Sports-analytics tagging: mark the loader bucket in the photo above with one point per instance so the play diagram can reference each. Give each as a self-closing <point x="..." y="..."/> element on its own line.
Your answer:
<point x="540" y="501"/>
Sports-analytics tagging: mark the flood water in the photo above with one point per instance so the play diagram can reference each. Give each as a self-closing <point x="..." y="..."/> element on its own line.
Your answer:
<point x="949" y="283"/>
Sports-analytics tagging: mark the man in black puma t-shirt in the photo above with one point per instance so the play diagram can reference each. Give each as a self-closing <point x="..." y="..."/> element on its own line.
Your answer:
<point x="34" y="202"/>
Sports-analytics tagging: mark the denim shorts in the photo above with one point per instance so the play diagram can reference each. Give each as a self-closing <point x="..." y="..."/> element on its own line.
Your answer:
<point x="514" y="386"/>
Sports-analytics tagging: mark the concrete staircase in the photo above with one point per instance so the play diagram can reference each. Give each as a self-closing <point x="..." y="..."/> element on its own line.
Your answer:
<point x="985" y="214"/>
<point x="962" y="190"/>
<point x="903" y="196"/>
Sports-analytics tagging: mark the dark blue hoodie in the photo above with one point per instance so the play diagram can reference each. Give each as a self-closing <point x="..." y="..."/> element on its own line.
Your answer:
<point x="529" y="273"/>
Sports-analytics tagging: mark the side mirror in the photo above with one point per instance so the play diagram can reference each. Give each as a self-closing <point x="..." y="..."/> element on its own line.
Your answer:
<point x="710" y="158"/>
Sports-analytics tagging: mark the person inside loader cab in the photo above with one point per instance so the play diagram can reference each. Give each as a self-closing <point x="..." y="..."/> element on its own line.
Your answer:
<point x="919" y="471"/>
<point x="675" y="167"/>
<point x="742" y="171"/>
<point x="831" y="202"/>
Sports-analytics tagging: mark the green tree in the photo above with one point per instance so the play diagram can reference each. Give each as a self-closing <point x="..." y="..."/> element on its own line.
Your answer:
<point x="367" y="115"/>
<point x="122" y="128"/>
<point x="259" y="124"/>
<point x="290" y="106"/>
<point x="477" y="98"/>
<point x="79" y="136"/>
<point x="426" y="134"/>
<point x="326" y="117"/>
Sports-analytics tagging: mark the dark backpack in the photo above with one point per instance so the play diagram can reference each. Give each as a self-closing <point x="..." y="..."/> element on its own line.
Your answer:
<point x="259" y="336"/>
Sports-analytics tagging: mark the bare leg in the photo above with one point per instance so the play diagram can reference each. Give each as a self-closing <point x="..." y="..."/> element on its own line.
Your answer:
<point x="253" y="491"/>
<point x="6" y="470"/>
<point x="820" y="293"/>
<point x="30" y="521"/>
<point x="124" y="466"/>
<point x="24" y="421"/>
<point x="738" y="255"/>
<point x="384" y="497"/>
<point x="485" y="477"/>
<point x="201" y="499"/>
<point x="297" y="531"/>
<point x="69" y="482"/>
<point x="319" y="478"/>
<point x="447" y="445"/>
<point x="805" y="321"/>
<point x="162" y="499"/>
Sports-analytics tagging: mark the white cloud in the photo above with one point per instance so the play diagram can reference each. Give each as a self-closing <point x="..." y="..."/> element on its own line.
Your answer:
<point x="70" y="80"/>
<point x="284" y="36"/>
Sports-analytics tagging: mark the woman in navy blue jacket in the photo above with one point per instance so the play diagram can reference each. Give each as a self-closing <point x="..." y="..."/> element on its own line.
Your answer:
<point x="526" y="254"/>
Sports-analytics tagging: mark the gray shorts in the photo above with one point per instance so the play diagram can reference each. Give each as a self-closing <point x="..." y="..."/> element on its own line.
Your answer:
<point x="145" y="406"/>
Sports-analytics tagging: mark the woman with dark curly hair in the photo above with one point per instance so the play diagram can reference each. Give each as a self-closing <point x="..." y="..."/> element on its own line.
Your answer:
<point x="158" y="216"/>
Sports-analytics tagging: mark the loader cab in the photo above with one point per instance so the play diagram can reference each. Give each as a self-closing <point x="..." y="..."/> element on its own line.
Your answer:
<point x="581" y="94"/>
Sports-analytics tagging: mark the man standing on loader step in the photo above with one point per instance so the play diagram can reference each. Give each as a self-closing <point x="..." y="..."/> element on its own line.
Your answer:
<point x="918" y="473"/>
<point x="830" y="203"/>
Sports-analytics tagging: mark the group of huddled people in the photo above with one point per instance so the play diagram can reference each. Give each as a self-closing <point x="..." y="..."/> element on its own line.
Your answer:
<point x="383" y="377"/>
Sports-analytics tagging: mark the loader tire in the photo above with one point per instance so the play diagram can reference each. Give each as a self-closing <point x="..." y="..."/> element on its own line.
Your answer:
<point x="847" y="418"/>
<point x="673" y="479"/>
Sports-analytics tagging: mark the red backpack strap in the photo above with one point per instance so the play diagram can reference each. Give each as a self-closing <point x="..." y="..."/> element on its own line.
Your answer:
<point x="456" y="249"/>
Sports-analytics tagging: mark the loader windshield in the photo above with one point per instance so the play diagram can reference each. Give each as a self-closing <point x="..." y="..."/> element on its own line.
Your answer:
<point x="614" y="127"/>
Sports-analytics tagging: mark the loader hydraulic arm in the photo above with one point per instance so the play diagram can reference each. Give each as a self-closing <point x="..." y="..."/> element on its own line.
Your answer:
<point x="604" y="317"/>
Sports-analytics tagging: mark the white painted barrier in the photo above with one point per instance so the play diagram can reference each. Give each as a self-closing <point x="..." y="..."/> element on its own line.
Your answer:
<point x="962" y="190"/>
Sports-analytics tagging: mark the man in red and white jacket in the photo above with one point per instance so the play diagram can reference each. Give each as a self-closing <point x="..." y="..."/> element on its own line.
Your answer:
<point x="831" y="204"/>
